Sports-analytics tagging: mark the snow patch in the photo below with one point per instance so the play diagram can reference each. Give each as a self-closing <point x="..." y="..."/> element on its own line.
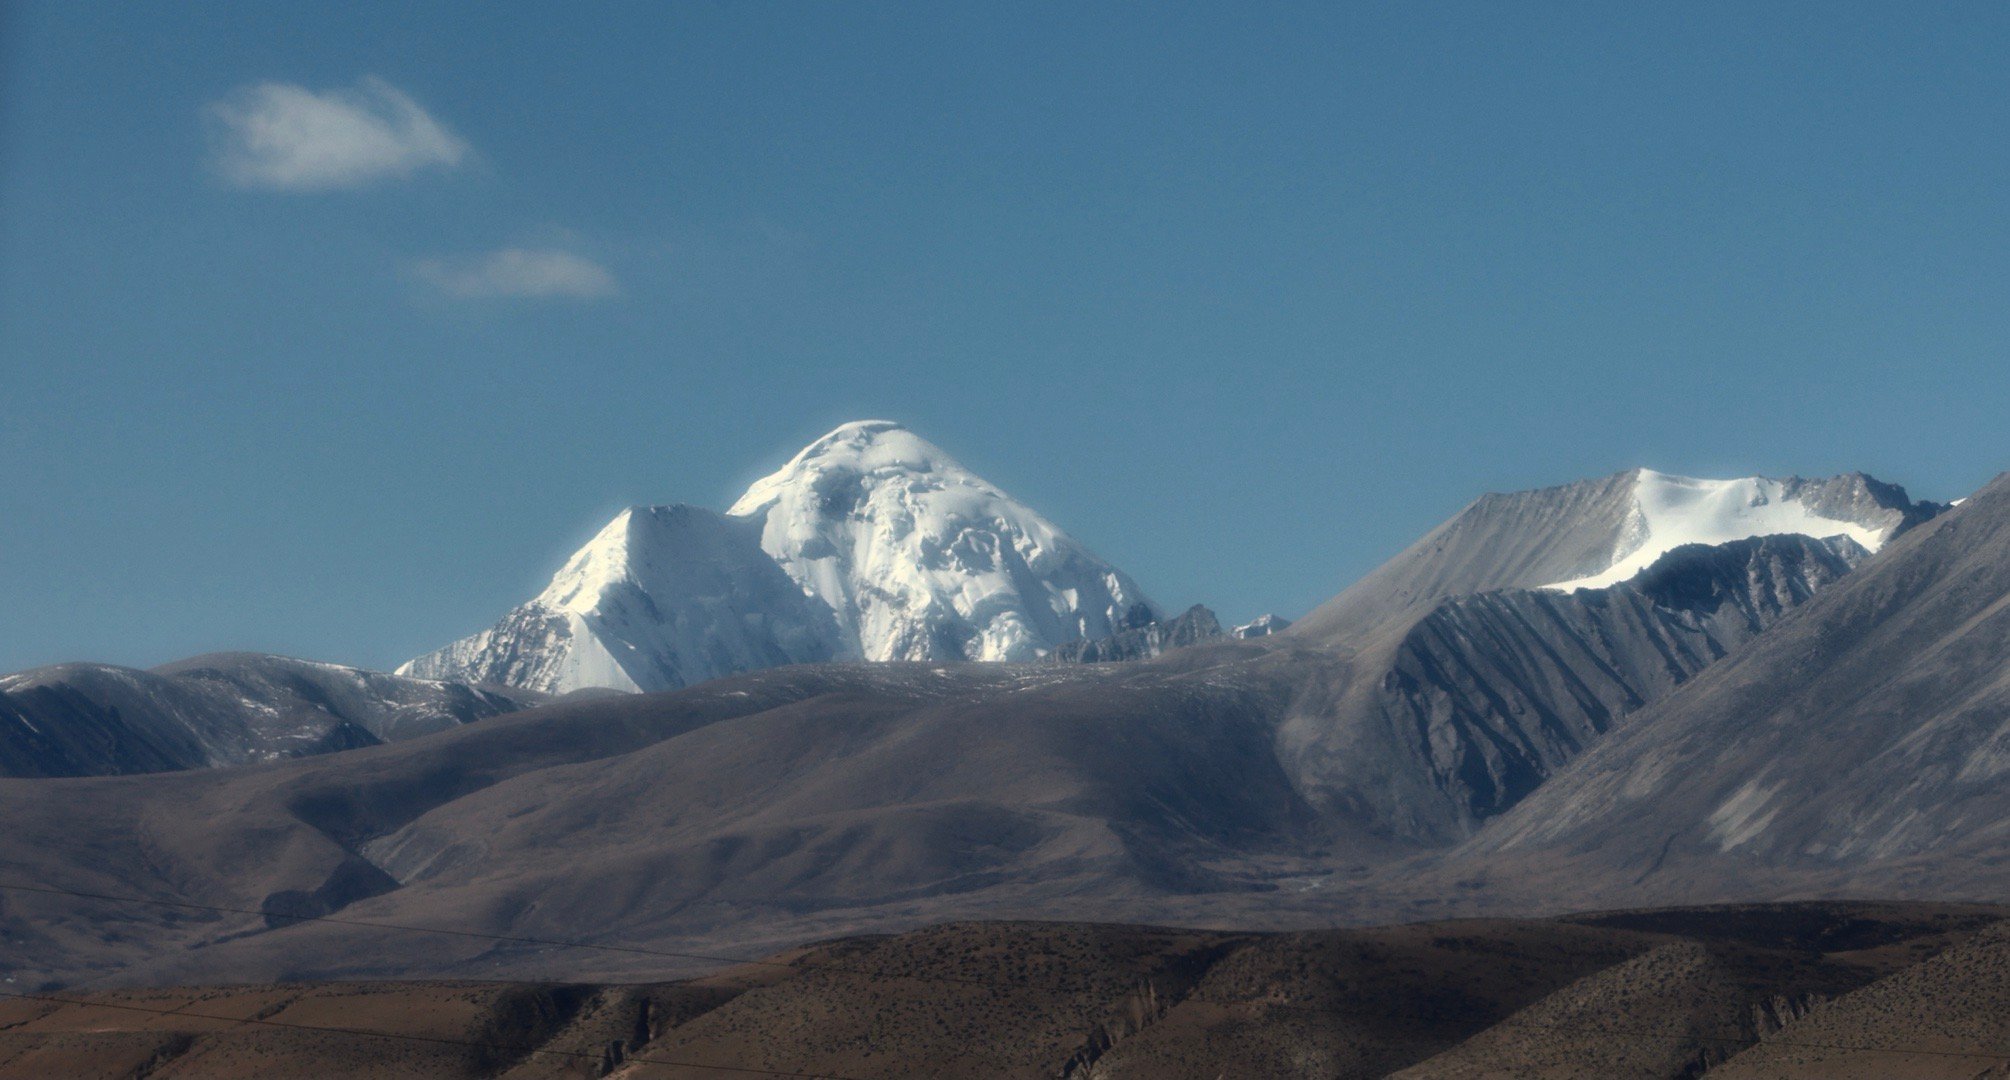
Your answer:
<point x="1261" y="626"/>
<point x="1744" y="815"/>
<point x="1670" y="511"/>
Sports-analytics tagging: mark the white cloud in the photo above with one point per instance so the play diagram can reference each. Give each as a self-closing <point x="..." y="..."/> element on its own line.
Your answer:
<point x="518" y="272"/>
<point x="289" y="138"/>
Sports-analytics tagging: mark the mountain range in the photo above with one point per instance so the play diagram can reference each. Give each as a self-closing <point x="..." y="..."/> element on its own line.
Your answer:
<point x="86" y="719"/>
<point x="1871" y="729"/>
<point x="870" y="544"/>
<point x="1635" y="689"/>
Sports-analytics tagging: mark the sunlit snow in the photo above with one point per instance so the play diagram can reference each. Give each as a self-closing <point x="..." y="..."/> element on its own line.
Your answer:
<point x="1670" y="511"/>
<point x="870" y="544"/>
<point x="922" y="559"/>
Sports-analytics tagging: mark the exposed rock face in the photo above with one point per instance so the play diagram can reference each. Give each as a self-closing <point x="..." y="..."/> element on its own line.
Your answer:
<point x="1143" y="637"/>
<point x="1464" y="672"/>
<point x="222" y="709"/>
<point x="1872" y="727"/>
<point x="1505" y="687"/>
<point x="1577" y="534"/>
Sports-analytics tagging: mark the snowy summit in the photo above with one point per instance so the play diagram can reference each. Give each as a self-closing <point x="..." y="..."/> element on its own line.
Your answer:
<point x="922" y="559"/>
<point x="869" y="544"/>
<point x="1671" y="511"/>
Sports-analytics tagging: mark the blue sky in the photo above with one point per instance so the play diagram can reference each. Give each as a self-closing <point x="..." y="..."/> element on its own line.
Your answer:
<point x="331" y="331"/>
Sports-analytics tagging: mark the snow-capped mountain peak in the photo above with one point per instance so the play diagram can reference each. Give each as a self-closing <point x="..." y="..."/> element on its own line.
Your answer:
<point x="594" y="569"/>
<point x="856" y="448"/>
<point x="1261" y="626"/>
<point x="872" y="543"/>
<point x="1671" y="511"/>
<point x="662" y="597"/>
<point x="1598" y="532"/>
<point x="922" y="559"/>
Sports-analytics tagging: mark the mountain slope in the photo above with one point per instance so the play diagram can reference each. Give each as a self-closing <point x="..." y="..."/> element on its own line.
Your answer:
<point x="1261" y="626"/>
<point x="1506" y="687"/>
<point x="1600" y="996"/>
<point x="1452" y="716"/>
<point x="1943" y="1019"/>
<point x="1275" y="781"/>
<point x="1598" y="532"/>
<point x="1868" y="734"/>
<point x="663" y="597"/>
<point x="1143" y="637"/>
<point x="923" y="560"/>
<point x="870" y="544"/>
<point x="801" y="801"/>
<point x="757" y="805"/>
<point x="1676" y="511"/>
<point x="1456" y="678"/>
<point x="221" y="709"/>
<point x="1042" y="1000"/>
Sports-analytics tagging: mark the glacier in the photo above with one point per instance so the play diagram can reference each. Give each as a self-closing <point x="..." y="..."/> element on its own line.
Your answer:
<point x="870" y="544"/>
<point x="923" y="560"/>
<point x="1669" y="512"/>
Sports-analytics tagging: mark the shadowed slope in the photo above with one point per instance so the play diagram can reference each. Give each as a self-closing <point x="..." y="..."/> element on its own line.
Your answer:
<point x="1954" y="1002"/>
<point x="220" y="709"/>
<point x="1444" y="719"/>
<point x="1265" y="782"/>
<point x="1871" y="729"/>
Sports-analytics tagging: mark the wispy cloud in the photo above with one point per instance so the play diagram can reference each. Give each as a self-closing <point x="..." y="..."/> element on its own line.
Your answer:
<point x="536" y="273"/>
<point x="289" y="138"/>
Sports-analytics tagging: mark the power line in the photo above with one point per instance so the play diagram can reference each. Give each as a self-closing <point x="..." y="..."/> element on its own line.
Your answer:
<point x="994" y="984"/>
<point x="438" y="1039"/>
